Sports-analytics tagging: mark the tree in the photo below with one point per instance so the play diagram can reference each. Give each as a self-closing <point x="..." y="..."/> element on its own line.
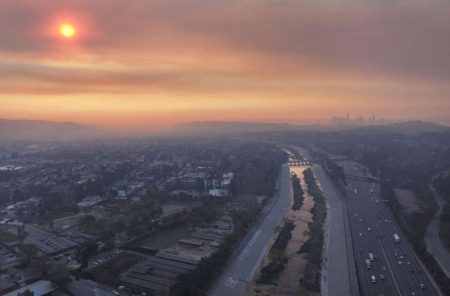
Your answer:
<point x="85" y="252"/>
<point x="59" y="275"/>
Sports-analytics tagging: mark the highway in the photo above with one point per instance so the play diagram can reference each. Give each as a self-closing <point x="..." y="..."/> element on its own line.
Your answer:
<point x="395" y="267"/>
<point x="338" y="270"/>
<point x="339" y="273"/>
<point x="252" y="249"/>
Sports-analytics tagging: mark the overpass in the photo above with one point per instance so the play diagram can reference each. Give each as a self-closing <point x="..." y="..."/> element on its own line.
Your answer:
<point x="296" y="162"/>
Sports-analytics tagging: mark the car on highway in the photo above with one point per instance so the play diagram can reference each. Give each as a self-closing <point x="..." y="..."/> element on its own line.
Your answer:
<point x="368" y="265"/>
<point x="373" y="279"/>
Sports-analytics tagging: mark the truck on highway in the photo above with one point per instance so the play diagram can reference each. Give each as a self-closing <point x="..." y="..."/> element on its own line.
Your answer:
<point x="374" y="280"/>
<point x="396" y="238"/>
<point x="368" y="265"/>
<point x="371" y="257"/>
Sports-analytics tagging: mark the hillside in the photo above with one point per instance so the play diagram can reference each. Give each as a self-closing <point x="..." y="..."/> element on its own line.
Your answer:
<point x="37" y="129"/>
<point x="408" y="128"/>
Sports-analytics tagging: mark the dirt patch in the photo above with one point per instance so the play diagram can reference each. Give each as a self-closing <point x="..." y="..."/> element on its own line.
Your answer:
<point x="173" y="208"/>
<point x="288" y="280"/>
<point x="7" y="237"/>
<point x="408" y="200"/>
<point x="166" y="238"/>
<point x="198" y="252"/>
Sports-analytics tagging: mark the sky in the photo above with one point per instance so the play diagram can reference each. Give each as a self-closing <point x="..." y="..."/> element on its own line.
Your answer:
<point x="154" y="63"/>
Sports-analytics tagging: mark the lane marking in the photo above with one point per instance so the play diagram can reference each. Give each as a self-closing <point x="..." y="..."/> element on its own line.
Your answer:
<point x="249" y="245"/>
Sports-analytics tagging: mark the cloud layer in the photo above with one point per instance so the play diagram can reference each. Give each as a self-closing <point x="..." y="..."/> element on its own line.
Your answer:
<point x="250" y="59"/>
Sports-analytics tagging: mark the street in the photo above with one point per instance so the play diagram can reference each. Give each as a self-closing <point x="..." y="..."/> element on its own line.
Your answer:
<point x="340" y="274"/>
<point x="252" y="249"/>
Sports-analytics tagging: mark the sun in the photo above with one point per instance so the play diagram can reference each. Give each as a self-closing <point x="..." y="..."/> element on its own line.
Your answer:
<point x="67" y="30"/>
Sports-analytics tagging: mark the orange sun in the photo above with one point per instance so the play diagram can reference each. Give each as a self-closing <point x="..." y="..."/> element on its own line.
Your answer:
<point x="67" y="30"/>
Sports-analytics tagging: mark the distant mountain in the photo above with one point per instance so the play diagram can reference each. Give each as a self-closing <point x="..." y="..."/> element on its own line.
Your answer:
<point x="409" y="128"/>
<point x="38" y="129"/>
<point x="238" y="127"/>
<point x="231" y="127"/>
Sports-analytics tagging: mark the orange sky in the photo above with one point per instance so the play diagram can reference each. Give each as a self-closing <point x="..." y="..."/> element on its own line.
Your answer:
<point x="155" y="63"/>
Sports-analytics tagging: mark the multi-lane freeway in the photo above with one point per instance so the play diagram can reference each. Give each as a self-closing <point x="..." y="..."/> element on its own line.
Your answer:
<point x="385" y="262"/>
<point x="393" y="269"/>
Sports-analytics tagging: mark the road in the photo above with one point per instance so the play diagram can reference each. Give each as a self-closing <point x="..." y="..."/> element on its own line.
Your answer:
<point x="432" y="240"/>
<point x="340" y="279"/>
<point x="100" y="259"/>
<point x="395" y="268"/>
<point x="249" y="254"/>
<point x="338" y="271"/>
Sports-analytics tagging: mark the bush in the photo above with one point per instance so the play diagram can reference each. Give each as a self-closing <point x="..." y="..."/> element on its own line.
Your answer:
<point x="298" y="193"/>
<point x="270" y="273"/>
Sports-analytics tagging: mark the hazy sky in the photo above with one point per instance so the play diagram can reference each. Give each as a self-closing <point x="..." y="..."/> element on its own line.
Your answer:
<point x="150" y="63"/>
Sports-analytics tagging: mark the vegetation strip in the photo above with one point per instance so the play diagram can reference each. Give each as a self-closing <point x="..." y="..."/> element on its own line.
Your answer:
<point x="298" y="193"/>
<point x="278" y="259"/>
